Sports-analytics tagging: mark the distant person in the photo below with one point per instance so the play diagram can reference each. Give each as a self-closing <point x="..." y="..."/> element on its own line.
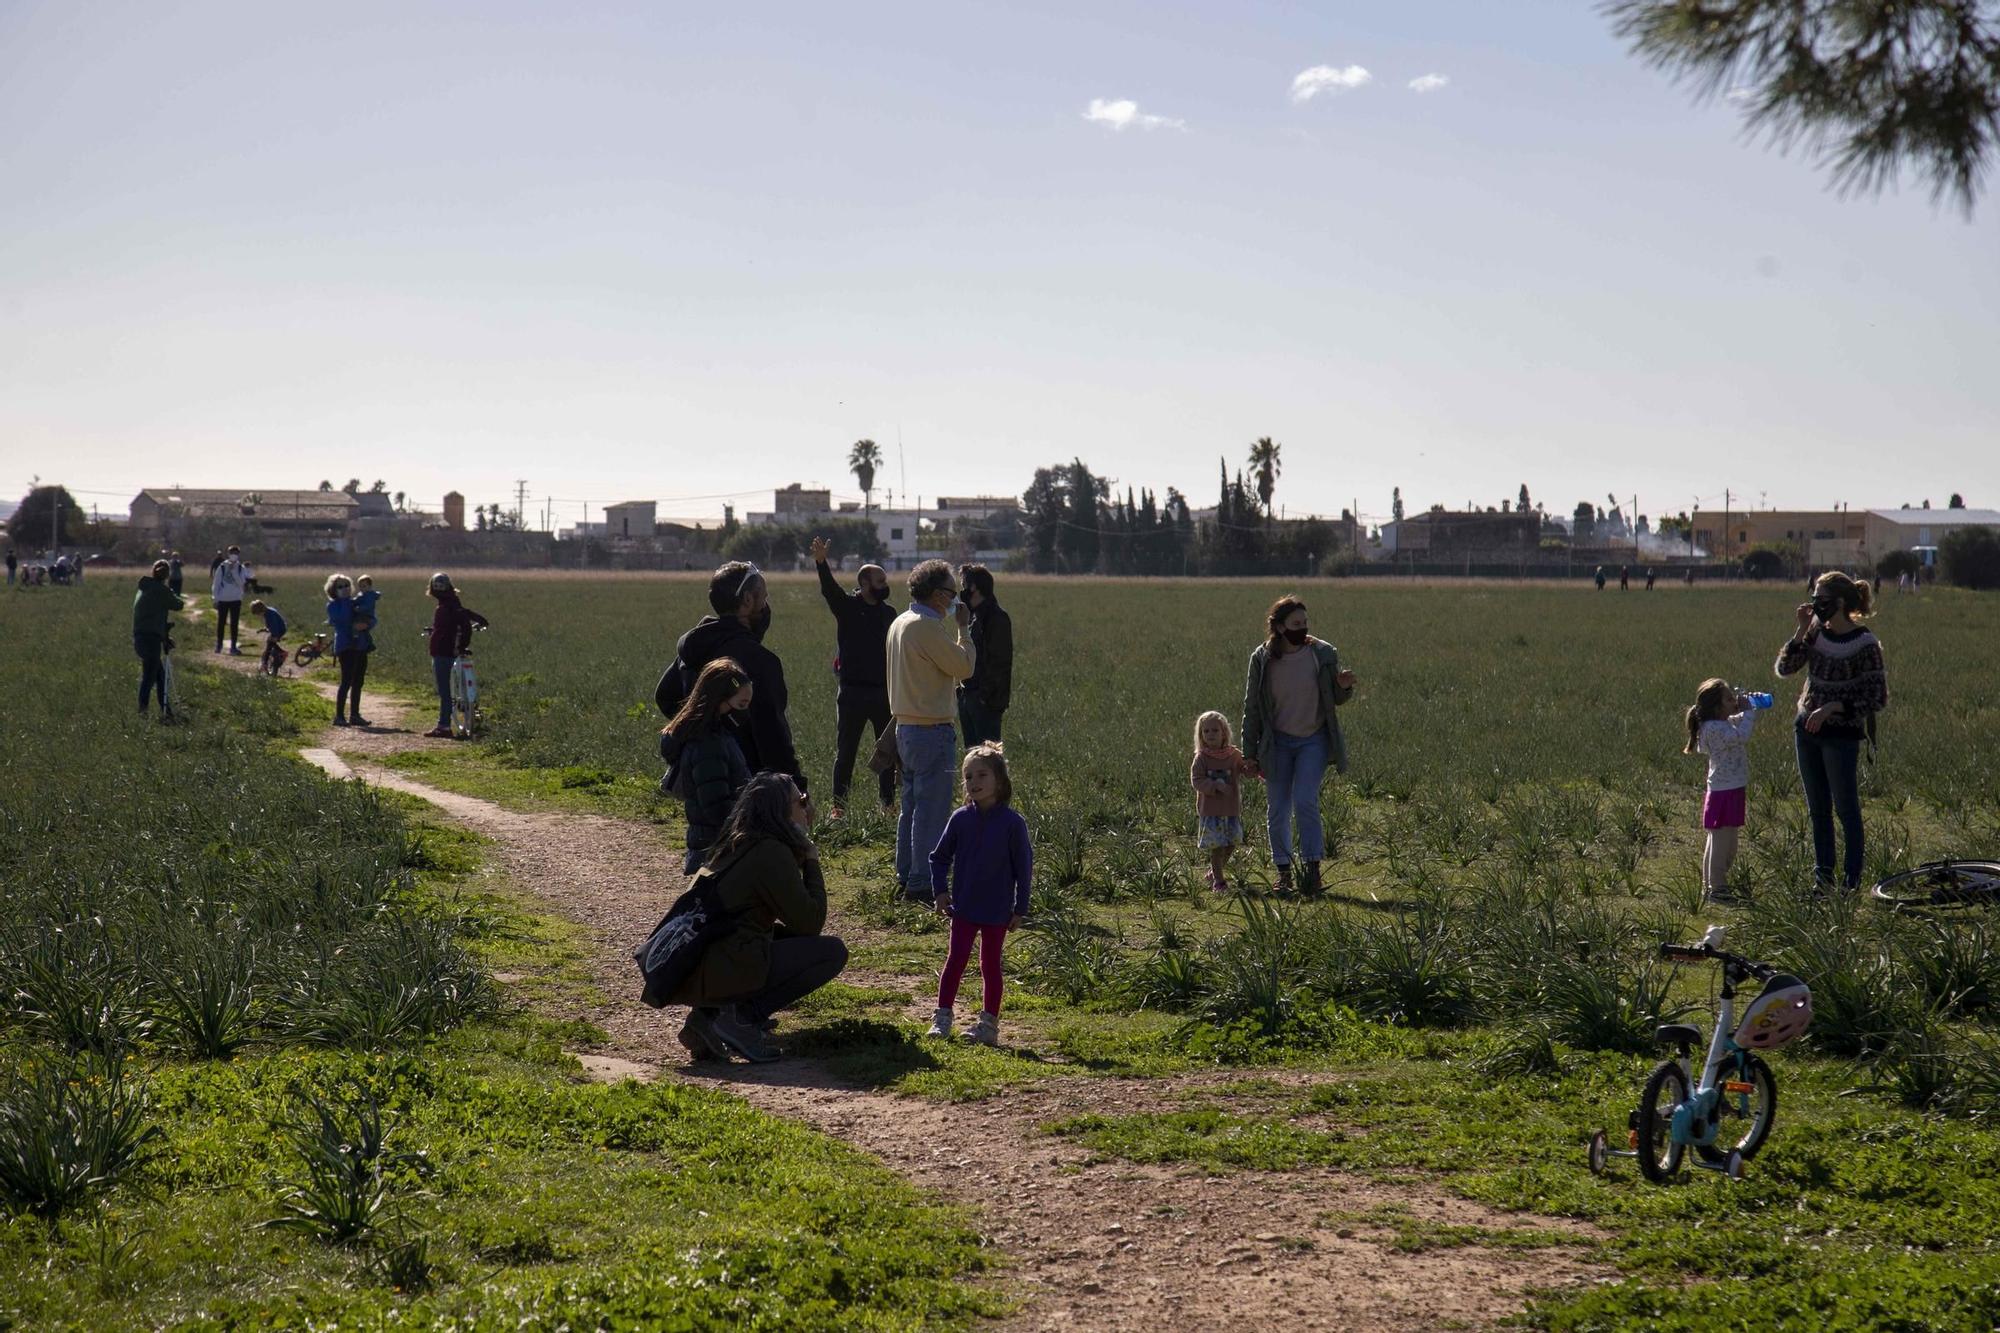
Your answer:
<point x="1649" y="578"/>
<point x="1718" y="725"/>
<point x="1690" y="576"/>
<point x="861" y="632"/>
<point x="216" y="563"/>
<point x="1846" y="686"/>
<point x="450" y="639"/>
<point x="227" y="583"/>
<point x="981" y="870"/>
<point x="151" y="605"/>
<point x="741" y="603"/>
<point x="174" y="573"/>
<point x="13" y="564"/>
<point x="1600" y="578"/>
<point x="763" y="872"/>
<point x="1624" y="578"/>
<point x="274" y="634"/>
<point x="985" y="694"/>
<point x="705" y="764"/>
<point x="1292" y="731"/>
<point x="929" y="654"/>
<point x="340" y="614"/>
<point x="1218" y="796"/>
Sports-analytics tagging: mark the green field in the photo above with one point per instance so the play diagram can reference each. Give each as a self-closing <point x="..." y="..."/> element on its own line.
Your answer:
<point x="1518" y="831"/>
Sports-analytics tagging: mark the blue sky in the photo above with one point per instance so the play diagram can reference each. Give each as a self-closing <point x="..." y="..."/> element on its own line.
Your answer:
<point x="681" y="251"/>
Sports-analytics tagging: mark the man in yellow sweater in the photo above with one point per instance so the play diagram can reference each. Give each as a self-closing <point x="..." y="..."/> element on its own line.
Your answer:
<point x="929" y="654"/>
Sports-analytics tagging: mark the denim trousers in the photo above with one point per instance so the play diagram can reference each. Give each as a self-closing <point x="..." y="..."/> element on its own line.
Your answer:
<point x="928" y="756"/>
<point x="441" y="674"/>
<point x="1830" y="770"/>
<point x="1298" y="766"/>
<point x="976" y="721"/>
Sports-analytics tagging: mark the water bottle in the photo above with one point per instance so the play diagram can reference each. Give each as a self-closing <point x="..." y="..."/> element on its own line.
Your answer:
<point x="1761" y="701"/>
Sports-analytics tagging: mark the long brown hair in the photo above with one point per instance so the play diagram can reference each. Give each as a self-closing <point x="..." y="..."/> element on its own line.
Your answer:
<point x="718" y="682"/>
<point x="1855" y="596"/>
<point x="1711" y="701"/>
<point x="763" y="810"/>
<point x="995" y="759"/>
<point x="1274" y="620"/>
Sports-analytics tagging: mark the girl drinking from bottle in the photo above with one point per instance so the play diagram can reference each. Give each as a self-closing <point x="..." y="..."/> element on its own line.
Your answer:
<point x="1719" y="726"/>
<point x="980" y="872"/>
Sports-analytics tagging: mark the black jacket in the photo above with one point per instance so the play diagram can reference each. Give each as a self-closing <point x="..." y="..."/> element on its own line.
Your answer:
<point x="862" y="631"/>
<point x="992" y="679"/>
<point x="767" y="740"/>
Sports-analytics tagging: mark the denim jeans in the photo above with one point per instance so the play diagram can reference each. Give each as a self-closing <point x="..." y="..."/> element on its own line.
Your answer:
<point x="928" y="755"/>
<point x="441" y="673"/>
<point x="1829" y="770"/>
<point x="1298" y="766"/>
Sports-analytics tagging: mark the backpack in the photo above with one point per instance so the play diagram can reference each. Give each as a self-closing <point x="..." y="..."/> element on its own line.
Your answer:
<point x="675" y="948"/>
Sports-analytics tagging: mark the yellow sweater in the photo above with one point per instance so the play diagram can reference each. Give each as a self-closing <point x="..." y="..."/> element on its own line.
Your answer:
<point x="928" y="656"/>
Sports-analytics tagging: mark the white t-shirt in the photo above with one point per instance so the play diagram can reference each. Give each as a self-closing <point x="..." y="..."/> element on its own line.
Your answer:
<point x="1725" y="741"/>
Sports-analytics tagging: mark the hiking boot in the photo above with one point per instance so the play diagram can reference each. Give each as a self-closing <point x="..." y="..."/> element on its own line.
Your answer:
<point x="940" y="1024"/>
<point x="1309" y="882"/>
<point x="1284" y="879"/>
<point x="733" y="1032"/>
<point x="694" y="1035"/>
<point x="986" y="1031"/>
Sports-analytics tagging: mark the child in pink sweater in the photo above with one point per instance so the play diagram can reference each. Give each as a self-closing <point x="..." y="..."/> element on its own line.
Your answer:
<point x="1218" y="800"/>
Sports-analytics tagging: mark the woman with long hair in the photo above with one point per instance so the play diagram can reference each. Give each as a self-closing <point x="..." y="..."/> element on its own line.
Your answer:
<point x="705" y="763"/>
<point x="1846" y="686"/>
<point x="762" y="871"/>
<point x="1292" y="733"/>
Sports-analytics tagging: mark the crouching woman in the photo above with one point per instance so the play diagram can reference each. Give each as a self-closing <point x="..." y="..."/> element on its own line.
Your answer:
<point x="763" y="871"/>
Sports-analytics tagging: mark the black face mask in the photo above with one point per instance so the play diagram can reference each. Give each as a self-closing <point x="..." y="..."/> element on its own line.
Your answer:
<point x="873" y="595"/>
<point x="760" y="623"/>
<point x="1295" y="637"/>
<point x="1826" y="608"/>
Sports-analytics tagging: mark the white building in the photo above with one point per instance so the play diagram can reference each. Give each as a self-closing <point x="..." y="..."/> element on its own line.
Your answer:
<point x="1921" y="529"/>
<point x="897" y="528"/>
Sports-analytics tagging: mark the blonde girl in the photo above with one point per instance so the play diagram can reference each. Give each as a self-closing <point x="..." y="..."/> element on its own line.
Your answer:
<point x="1718" y="725"/>
<point x="980" y="873"/>
<point x="1218" y="799"/>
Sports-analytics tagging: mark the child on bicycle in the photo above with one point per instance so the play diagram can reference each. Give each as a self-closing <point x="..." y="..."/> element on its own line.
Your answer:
<point x="1719" y="726"/>
<point x="980" y="873"/>
<point x="705" y="763"/>
<point x="274" y="630"/>
<point x="1218" y="799"/>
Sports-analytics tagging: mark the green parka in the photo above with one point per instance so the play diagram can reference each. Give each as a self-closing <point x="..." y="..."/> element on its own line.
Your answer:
<point x="765" y="885"/>
<point x="1260" y="705"/>
<point x="151" y="606"/>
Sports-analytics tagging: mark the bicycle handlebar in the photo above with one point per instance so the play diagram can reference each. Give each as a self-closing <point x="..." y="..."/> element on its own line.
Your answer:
<point x="1699" y="953"/>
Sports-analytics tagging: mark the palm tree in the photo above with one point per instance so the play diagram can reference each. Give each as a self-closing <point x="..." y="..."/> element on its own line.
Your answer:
<point x="1265" y="467"/>
<point x="862" y="460"/>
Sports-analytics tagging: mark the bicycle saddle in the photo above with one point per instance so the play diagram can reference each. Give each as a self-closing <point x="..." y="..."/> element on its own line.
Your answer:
<point x="1682" y="1035"/>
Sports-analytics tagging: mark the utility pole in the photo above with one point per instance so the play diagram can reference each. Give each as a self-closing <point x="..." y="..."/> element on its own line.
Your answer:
<point x="1635" y="527"/>
<point x="1693" y="514"/>
<point x="520" y="502"/>
<point x="1725" y="531"/>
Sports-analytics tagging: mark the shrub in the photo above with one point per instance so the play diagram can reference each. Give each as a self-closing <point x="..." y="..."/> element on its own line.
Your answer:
<point x="1896" y="564"/>
<point x="66" y="1133"/>
<point x="1970" y="557"/>
<point x="341" y="1154"/>
<point x="206" y="1004"/>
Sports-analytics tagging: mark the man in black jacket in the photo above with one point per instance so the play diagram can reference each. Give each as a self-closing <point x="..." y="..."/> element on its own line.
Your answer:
<point x="984" y="697"/>
<point x="742" y="606"/>
<point x="861" y="629"/>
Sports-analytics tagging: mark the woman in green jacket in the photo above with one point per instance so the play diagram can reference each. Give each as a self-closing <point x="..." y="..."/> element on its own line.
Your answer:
<point x="1292" y="732"/>
<point x="151" y="605"/>
<point x="765" y="872"/>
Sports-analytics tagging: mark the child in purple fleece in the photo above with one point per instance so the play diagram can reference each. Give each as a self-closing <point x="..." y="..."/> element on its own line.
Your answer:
<point x="980" y="872"/>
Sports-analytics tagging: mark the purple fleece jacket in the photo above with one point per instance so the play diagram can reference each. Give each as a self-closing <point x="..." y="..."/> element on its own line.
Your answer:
<point x="986" y="862"/>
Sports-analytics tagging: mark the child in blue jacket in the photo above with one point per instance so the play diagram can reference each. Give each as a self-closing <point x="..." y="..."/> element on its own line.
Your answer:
<point x="980" y="873"/>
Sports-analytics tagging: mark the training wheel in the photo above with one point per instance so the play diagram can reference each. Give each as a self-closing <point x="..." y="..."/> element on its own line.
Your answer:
<point x="1599" y="1152"/>
<point x="1733" y="1165"/>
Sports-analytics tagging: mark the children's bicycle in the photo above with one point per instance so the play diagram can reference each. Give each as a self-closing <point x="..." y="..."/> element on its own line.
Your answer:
<point x="1942" y="885"/>
<point x="465" y="691"/>
<point x="167" y="670"/>
<point x="310" y="651"/>
<point x="1727" y="1115"/>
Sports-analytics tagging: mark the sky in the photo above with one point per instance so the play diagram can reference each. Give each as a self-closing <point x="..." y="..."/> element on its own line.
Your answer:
<point x="691" y="252"/>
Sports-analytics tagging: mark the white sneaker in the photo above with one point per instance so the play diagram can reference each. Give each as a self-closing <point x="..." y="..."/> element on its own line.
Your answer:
<point x="940" y="1024"/>
<point x="986" y="1031"/>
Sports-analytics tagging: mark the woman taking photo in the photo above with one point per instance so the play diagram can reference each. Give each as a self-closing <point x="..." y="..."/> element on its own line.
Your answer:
<point x="1846" y="686"/>
<point x="705" y="764"/>
<point x="764" y="872"/>
<point x="1291" y="731"/>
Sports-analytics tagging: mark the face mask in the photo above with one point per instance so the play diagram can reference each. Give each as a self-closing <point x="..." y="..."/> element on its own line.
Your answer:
<point x="952" y="610"/>
<point x="1295" y="637"/>
<point x="1825" y="608"/>
<point x="761" y="623"/>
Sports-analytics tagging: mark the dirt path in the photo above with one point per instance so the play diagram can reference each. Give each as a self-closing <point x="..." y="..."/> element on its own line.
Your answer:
<point x="1091" y="1244"/>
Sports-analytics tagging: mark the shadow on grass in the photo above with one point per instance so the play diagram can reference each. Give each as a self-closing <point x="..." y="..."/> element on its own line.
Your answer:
<point x="872" y="1054"/>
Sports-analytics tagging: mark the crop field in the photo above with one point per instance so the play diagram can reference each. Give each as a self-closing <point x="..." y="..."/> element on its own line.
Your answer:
<point x="1518" y="831"/>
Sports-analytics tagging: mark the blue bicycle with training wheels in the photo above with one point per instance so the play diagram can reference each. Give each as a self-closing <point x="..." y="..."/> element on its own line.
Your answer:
<point x="1726" y="1115"/>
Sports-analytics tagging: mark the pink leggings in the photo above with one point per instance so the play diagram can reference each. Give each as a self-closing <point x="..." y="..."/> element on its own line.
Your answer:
<point x="990" y="940"/>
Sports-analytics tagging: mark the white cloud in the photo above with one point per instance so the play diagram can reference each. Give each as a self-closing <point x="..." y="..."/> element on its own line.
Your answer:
<point x="1310" y="83"/>
<point x="1429" y="83"/>
<point x="1124" y="113"/>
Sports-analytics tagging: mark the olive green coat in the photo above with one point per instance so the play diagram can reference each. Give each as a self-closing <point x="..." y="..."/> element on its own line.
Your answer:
<point x="764" y="885"/>
<point x="1260" y="705"/>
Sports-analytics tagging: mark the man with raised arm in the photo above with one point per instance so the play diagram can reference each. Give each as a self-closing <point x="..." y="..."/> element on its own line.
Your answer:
<point x="861" y="632"/>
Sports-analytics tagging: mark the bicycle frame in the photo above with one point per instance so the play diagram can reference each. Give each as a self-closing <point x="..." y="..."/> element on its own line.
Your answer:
<point x="1699" y="1108"/>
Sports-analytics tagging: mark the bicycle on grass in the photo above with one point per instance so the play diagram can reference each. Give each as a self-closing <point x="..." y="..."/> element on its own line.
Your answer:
<point x="465" y="716"/>
<point x="1727" y="1115"/>
<point x="167" y="671"/>
<point x="1942" y="885"/>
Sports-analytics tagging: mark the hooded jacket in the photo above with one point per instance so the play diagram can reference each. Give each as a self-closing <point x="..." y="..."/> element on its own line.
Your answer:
<point x="451" y="626"/>
<point x="231" y="576"/>
<point x="767" y="739"/>
<point x="709" y="770"/>
<point x="151" y="604"/>
<point x="762" y="886"/>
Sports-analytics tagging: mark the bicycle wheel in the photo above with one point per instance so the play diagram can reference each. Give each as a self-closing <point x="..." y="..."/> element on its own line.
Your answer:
<point x="166" y="682"/>
<point x="463" y="692"/>
<point x="306" y="655"/>
<point x="1942" y="884"/>
<point x="1744" y="1118"/>
<point x="1659" y="1155"/>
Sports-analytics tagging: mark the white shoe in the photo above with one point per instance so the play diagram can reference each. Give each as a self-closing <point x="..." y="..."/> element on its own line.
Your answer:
<point x="986" y="1031"/>
<point x="940" y="1024"/>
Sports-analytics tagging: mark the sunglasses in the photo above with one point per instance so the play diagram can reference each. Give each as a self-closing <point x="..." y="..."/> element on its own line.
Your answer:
<point x="751" y="573"/>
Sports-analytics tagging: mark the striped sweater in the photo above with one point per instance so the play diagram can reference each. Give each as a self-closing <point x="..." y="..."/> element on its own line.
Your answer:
<point x="1844" y="669"/>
